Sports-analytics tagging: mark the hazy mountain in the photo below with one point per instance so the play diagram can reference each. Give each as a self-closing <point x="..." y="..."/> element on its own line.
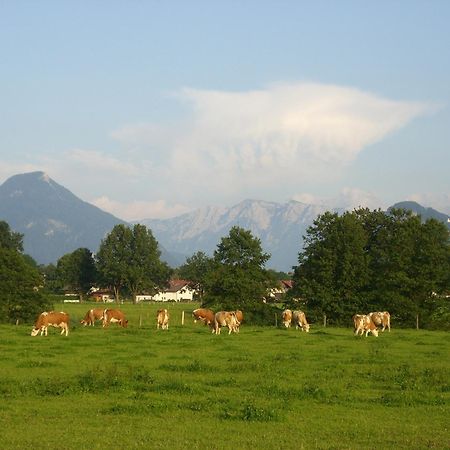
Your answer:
<point x="425" y="213"/>
<point x="52" y="219"/>
<point x="55" y="222"/>
<point x="279" y="226"/>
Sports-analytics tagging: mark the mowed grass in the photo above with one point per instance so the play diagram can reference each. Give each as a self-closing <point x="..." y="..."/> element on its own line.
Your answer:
<point x="264" y="388"/>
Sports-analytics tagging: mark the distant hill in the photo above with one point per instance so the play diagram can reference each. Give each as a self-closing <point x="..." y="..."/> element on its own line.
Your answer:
<point x="52" y="219"/>
<point x="280" y="227"/>
<point x="425" y="213"/>
<point x="55" y="222"/>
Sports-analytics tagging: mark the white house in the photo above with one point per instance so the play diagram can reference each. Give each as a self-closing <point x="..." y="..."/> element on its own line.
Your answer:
<point x="178" y="291"/>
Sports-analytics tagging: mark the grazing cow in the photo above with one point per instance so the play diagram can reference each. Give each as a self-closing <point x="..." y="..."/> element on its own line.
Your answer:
<point x="239" y="318"/>
<point x="114" y="316"/>
<point x="286" y="316"/>
<point x="300" y="321"/>
<point x="205" y="315"/>
<point x="381" y="319"/>
<point x="225" y="319"/>
<point x="91" y="316"/>
<point x="363" y="323"/>
<point x="51" y="319"/>
<point x="162" y="319"/>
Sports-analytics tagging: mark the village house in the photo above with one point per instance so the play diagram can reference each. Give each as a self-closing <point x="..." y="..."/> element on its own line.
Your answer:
<point x="178" y="291"/>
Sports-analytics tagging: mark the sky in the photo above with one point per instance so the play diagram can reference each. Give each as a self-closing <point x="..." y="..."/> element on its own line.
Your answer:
<point x="151" y="109"/>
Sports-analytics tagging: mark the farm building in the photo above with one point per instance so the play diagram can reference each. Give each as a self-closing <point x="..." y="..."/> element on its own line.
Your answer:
<point x="178" y="291"/>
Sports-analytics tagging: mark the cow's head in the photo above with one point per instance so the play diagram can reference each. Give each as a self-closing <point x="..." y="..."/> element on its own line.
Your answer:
<point x="35" y="331"/>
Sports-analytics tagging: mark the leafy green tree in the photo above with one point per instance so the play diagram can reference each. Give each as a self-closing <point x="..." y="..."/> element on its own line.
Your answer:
<point x="113" y="257"/>
<point x="77" y="271"/>
<point x="20" y="281"/>
<point x="196" y="269"/>
<point x="145" y="270"/>
<point x="130" y="258"/>
<point x="9" y="239"/>
<point x="238" y="278"/>
<point x="371" y="260"/>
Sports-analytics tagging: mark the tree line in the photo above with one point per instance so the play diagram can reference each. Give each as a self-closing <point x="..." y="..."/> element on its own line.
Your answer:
<point x="355" y="262"/>
<point x="365" y="260"/>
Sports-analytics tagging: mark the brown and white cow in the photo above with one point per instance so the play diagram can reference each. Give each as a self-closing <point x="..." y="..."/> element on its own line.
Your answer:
<point x="225" y="319"/>
<point x="300" y="321"/>
<point x="381" y="319"/>
<point x="286" y="316"/>
<point x="114" y="316"/>
<point x="91" y="316"/>
<point x="363" y="324"/>
<point x="162" y="319"/>
<point x="51" y="319"/>
<point x="204" y="315"/>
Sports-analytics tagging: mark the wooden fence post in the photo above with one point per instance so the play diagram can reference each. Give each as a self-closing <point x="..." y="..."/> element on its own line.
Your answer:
<point x="182" y="317"/>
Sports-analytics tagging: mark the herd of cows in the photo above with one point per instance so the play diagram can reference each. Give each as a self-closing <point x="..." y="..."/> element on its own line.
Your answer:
<point x="363" y="323"/>
<point x="230" y="319"/>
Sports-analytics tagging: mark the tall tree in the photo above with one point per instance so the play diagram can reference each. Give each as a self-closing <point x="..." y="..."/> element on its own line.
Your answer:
<point x="145" y="270"/>
<point x="77" y="271"/>
<point x="130" y="257"/>
<point x="10" y="239"/>
<point x="20" y="281"/>
<point x="238" y="277"/>
<point x="113" y="258"/>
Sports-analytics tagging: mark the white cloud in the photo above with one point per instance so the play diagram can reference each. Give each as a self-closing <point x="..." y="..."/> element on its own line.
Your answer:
<point x="242" y="143"/>
<point x="137" y="210"/>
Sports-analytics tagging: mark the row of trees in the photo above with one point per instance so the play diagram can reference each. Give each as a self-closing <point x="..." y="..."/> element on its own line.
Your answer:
<point x="371" y="260"/>
<point x="128" y="260"/>
<point x="359" y="261"/>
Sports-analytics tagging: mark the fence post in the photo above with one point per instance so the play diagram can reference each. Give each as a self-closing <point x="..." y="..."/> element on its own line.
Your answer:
<point x="182" y="317"/>
<point x="140" y="320"/>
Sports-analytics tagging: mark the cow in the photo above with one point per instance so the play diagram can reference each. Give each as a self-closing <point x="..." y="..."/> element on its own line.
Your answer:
<point x="363" y="323"/>
<point x="162" y="319"/>
<point x="205" y="315"/>
<point x="225" y="319"/>
<point x="300" y="321"/>
<point x="239" y="318"/>
<point x="114" y="316"/>
<point x="381" y="319"/>
<point x="286" y="316"/>
<point x="91" y="316"/>
<point x="51" y="319"/>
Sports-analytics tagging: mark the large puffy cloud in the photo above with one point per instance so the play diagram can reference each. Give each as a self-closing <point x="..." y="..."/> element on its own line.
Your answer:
<point x="248" y="142"/>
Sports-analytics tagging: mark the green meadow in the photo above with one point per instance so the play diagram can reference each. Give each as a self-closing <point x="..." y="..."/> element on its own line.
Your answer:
<point x="264" y="388"/>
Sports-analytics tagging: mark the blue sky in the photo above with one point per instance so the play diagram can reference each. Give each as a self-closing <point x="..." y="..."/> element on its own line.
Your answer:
<point x="149" y="109"/>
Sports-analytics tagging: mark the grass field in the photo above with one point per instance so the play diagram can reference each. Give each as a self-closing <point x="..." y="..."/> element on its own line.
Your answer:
<point x="265" y="388"/>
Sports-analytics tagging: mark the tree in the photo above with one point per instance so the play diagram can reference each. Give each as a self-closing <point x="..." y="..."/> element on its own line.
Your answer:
<point x="9" y="239"/>
<point x="145" y="270"/>
<point x="371" y="260"/>
<point x="196" y="269"/>
<point x="113" y="258"/>
<point x="77" y="271"/>
<point x="129" y="257"/>
<point x="238" y="278"/>
<point x="20" y="282"/>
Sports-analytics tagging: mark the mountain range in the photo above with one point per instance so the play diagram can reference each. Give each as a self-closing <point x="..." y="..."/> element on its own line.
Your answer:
<point x="55" y="222"/>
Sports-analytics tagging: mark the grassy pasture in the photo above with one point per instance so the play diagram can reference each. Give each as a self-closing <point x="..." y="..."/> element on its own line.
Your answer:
<point x="266" y="388"/>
